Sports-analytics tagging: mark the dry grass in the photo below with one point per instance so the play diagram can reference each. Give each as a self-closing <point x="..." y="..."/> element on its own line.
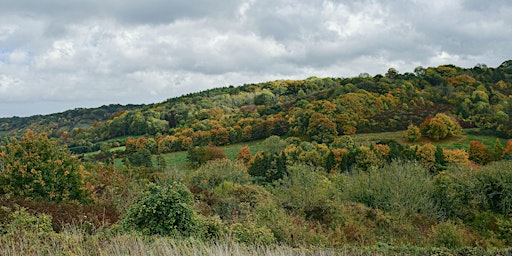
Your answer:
<point x="75" y="242"/>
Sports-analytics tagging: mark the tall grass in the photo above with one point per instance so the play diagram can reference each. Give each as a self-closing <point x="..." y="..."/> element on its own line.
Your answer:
<point x="76" y="242"/>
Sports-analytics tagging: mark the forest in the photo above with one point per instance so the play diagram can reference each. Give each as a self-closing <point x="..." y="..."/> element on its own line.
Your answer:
<point x="401" y="163"/>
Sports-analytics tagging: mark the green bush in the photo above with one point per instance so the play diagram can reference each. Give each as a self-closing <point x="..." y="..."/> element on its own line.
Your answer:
<point x="20" y="220"/>
<point x="308" y="192"/>
<point x="446" y="235"/>
<point x="163" y="210"/>
<point x="249" y="233"/>
<point x="213" y="173"/>
<point x="402" y="187"/>
<point x="412" y="134"/>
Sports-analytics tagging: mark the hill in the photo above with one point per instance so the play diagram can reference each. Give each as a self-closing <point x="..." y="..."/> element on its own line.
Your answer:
<point x="314" y="163"/>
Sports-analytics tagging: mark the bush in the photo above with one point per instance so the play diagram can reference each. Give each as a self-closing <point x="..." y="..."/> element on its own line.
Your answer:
<point x="21" y="220"/>
<point x="402" y="187"/>
<point x="446" y="235"/>
<point x="163" y="210"/>
<point x="439" y="127"/>
<point x="213" y="173"/>
<point x="308" y="192"/>
<point x="479" y="153"/>
<point x="249" y="233"/>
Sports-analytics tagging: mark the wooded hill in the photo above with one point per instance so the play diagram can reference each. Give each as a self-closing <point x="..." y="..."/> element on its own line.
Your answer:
<point x="312" y="109"/>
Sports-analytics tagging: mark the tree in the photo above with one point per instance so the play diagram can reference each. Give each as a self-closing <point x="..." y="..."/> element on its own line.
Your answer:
<point x="321" y="129"/>
<point x="478" y="152"/>
<point x="439" y="127"/>
<point x="498" y="150"/>
<point x="244" y="155"/>
<point x="36" y="167"/>
<point x="197" y="156"/>
<point x="260" y="165"/>
<point x="141" y="158"/>
<point x="413" y="133"/>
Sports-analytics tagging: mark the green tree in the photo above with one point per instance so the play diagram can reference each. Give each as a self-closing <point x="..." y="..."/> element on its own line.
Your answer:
<point x="36" y="167"/>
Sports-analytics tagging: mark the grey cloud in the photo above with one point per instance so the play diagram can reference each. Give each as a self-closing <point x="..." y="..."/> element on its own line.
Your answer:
<point x="93" y="52"/>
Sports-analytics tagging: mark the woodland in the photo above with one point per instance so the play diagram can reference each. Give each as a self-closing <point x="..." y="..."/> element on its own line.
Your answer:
<point x="415" y="163"/>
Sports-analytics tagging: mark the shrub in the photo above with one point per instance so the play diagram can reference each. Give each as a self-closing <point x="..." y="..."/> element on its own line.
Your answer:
<point x="21" y="220"/>
<point x="306" y="191"/>
<point x="402" y="187"/>
<point x="163" y="210"/>
<point x="213" y="173"/>
<point x="446" y="235"/>
<point x="244" y="155"/>
<point x="249" y="233"/>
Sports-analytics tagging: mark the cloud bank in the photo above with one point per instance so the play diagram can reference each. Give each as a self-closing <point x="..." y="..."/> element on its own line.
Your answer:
<point x="58" y="54"/>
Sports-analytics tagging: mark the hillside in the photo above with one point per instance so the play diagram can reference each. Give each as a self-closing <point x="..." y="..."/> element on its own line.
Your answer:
<point x="479" y="97"/>
<point x="414" y="163"/>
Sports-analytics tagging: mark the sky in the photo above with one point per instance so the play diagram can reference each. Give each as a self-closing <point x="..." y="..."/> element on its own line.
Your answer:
<point x="57" y="55"/>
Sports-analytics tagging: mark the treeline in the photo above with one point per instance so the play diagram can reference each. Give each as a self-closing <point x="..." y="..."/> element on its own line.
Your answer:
<point x="317" y="109"/>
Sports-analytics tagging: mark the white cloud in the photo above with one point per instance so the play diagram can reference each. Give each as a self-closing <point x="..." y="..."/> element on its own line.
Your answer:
<point x="94" y="52"/>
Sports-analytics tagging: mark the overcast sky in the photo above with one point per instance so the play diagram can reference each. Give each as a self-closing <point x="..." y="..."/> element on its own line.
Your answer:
<point x="57" y="55"/>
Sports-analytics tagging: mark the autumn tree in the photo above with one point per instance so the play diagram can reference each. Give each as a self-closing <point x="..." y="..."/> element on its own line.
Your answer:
<point x="321" y="129"/>
<point x="479" y="153"/>
<point x="220" y="136"/>
<point x="36" y="167"/>
<point x="413" y="133"/>
<point x="439" y="127"/>
<point x="244" y="155"/>
<point x="200" y="155"/>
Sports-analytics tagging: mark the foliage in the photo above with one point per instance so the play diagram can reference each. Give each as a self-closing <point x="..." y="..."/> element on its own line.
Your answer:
<point x="164" y="210"/>
<point x="479" y="153"/>
<point x="244" y="155"/>
<point x="200" y="155"/>
<point x="20" y="220"/>
<point x="35" y="167"/>
<point x="251" y="234"/>
<point x="439" y="127"/>
<point x="214" y="172"/>
<point x="402" y="187"/>
<point x="307" y="192"/>
<point x="413" y="133"/>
